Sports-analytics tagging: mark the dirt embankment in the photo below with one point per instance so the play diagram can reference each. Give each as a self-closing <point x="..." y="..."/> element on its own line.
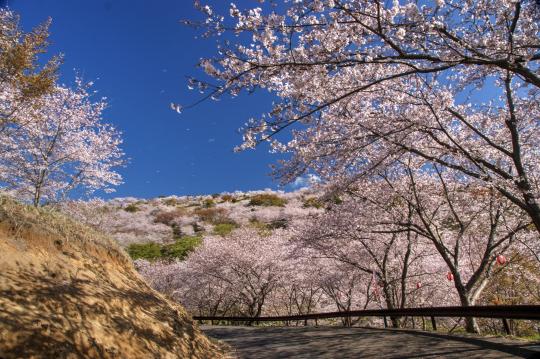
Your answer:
<point x="67" y="291"/>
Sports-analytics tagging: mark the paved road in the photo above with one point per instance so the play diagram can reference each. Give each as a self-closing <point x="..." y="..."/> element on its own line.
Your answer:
<point x="342" y="343"/>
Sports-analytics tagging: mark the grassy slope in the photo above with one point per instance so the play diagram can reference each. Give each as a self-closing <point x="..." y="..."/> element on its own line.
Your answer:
<point x="67" y="291"/>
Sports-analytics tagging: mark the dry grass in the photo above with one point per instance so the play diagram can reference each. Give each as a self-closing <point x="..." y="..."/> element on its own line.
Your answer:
<point x="67" y="291"/>
<point x="168" y="217"/>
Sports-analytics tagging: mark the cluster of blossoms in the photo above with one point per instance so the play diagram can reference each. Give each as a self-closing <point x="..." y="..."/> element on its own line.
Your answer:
<point x="452" y="83"/>
<point x="254" y="273"/>
<point x="60" y="144"/>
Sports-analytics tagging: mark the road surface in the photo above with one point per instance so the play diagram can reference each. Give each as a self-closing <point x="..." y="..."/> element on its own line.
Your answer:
<point x="332" y="342"/>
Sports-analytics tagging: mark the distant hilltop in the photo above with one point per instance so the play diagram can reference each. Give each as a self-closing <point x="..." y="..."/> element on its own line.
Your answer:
<point x="167" y="220"/>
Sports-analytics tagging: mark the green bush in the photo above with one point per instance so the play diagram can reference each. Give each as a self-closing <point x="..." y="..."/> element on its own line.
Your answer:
<point x="154" y="251"/>
<point x="181" y="248"/>
<point x="267" y="200"/>
<point x="222" y="229"/>
<point x="131" y="208"/>
<point x="208" y="203"/>
<point x="148" y="251"/>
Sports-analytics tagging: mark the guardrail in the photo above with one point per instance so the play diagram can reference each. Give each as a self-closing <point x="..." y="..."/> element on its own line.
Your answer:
<point x="504" y="312"/>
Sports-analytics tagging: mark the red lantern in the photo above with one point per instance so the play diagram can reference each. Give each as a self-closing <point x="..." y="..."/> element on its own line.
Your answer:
<point x="418" y="285"/>
<point x="376" y="291"/>
<point x="501" y="260"/>
<point x="450" y="276"/>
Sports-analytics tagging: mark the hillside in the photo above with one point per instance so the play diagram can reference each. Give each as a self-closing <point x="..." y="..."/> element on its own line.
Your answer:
<point x="67" y="291"/>
<point x="176" y="224"/>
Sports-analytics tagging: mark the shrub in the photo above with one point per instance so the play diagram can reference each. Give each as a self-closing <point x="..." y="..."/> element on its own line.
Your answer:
<point x="181" y="248"/>
<point x="131" y="208"/>
<point x="197" y="228"/>
<point x="177" y="231"/>
<point x="312" y="202"/>
<point x="267" y="200"/>
<point x="212" y="215"/>
<point x="168" y="217"/>
<point x="208" y="203"/>
<point x="278" y="223"/>
<point x="154" y="251"/>
<point x="170" y="202"/>
<point x="261" y="227"/>
<point x="148" y="251"/>
<point x="222" y="229"/>
<point x="227" y="198"/>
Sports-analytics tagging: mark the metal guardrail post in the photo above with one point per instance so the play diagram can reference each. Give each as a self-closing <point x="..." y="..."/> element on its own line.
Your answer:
<point x="506" y="326"/>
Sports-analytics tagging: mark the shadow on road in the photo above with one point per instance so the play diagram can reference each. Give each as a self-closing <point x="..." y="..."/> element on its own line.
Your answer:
<point x="332" y="342"/>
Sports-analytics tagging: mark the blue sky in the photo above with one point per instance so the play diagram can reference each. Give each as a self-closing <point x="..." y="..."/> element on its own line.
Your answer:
<point x="138" y="55"/>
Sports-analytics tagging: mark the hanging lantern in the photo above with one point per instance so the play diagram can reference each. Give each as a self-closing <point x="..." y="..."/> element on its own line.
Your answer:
<point x="376" y="291"/>
<point x="418" y="285"/>
<point x="449" y="276"/>
<point x="501" y="260"/>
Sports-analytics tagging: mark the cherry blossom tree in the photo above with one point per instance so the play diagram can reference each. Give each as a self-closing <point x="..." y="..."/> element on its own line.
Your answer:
<point x="252" y="273"/>
<point x="249" y="265"/>
<point x="393" y="266"/>
<point x="184" y="282"/>
<point x="470" y="227"/>
<point x="63" y="146"/>
<point x="300" y="289"/>
<point x="363" y="82"/>
<point x="404" y="238"/>
<point x="348" y="287"/>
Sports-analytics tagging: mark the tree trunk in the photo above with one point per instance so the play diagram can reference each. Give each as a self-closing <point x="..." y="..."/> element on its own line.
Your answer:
<point x="390" y="305"/>
<point x="37" y="198"/>
<point x="471" y="325"/>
